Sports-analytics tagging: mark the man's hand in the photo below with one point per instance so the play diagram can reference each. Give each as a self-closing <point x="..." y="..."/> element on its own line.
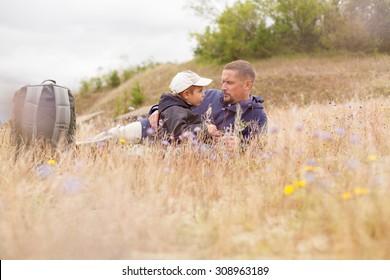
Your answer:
<point x="211" y="129"/>
<point x="153" y="119"/>
<point x="230" y="143"/>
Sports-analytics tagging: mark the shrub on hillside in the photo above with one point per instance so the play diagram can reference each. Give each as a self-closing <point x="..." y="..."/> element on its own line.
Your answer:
<point x="137" y="95"/>
<point x="113" y="79"/>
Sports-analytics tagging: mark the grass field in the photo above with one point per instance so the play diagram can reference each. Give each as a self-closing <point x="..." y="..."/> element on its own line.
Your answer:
<point x="318" y="190"/>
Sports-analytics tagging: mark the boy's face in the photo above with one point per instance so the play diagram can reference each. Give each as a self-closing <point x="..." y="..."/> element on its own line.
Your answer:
<point x="195" y="95"/>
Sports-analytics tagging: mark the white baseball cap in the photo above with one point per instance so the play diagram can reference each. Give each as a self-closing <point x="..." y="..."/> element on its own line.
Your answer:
<point x="185" y="79"/>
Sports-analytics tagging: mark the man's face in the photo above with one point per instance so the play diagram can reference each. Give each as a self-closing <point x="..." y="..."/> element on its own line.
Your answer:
<point x="235" y="89"/>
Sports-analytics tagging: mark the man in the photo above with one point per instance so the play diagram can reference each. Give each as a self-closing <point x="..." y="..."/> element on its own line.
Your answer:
<point x="238" y="78"/>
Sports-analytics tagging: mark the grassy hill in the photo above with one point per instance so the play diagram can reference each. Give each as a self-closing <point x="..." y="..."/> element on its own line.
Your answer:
<point x="281" y="81"/>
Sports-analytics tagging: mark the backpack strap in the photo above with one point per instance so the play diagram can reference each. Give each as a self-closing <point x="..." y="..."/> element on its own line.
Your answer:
<point x="62" y="113"/>
<point x="52" y="81"/>
<point x="29" y="115"/>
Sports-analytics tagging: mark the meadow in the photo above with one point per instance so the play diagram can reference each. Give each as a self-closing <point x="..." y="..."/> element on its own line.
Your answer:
<point x="318" y="189"/>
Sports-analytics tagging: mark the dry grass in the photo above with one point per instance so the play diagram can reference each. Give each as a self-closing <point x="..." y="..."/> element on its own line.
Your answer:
<point x="145" y="202"/>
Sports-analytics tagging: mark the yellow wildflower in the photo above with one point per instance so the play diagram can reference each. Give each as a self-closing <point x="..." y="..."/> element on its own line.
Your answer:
<point x="361" y="191"/>
<point x="300" y="184"/>
<point x="310" y="168"/>
<point x="289" y="189"/>
<point x="51" y="162"/>
<point x="123" y="141"/>
<point x="372" y="157"/>
<point x="346" y="195"/>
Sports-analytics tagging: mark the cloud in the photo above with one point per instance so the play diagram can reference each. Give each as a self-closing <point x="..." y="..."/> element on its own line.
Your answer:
<point x="69" y="40"/>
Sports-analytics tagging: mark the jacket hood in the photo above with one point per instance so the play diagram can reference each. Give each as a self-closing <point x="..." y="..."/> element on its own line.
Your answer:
<point x="168" y="100"/>
<point x="257" y="99"/>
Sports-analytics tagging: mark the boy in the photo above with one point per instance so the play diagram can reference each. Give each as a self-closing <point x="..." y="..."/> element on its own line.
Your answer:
<point x="175" y="109"/>
<point x="175" y="116"/>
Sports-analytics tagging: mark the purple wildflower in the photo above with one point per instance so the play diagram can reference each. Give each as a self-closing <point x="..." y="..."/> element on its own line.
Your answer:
<point x="340" y="131"/>
<point x="73" y="184"/>
<point x="44" y="171"/>
<point x="100" y="143"/>
<point x="274" y="130"/>
<point x="311" y="162"/>
<point x="309" y="176"/>
<point x="299" y="127"/>
<point x="352" y="163"/>
<point x="150" y="131"/>
<point x="322" y="134"/>
<point x="188" y="134"/>
<point x="79" y="165"/>
<point x="267" y="155"/>
<point x="354" y="139"/>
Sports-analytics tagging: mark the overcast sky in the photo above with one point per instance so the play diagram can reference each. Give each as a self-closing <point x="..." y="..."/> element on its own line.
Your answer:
<point x="71" y="40"/>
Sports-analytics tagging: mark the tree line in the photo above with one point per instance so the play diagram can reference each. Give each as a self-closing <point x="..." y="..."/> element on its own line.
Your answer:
<point x="263" y="28"/>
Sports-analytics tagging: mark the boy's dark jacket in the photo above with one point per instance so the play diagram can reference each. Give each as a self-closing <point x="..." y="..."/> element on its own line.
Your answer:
<point x="176" y="116"/>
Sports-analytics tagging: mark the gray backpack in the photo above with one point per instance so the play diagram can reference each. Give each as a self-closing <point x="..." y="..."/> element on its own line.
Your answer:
<point x="43" y="112"/>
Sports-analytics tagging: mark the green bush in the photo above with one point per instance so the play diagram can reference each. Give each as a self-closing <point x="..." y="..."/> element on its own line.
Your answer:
<point x="84" y="87"/>
<point x="240" y="32"/>
<point x="113" y="79"/>
<point x="97" y="83"/>
<point x="135" y="99"/>
<point x="137" y="96"/>
<point x="262" y="28"/>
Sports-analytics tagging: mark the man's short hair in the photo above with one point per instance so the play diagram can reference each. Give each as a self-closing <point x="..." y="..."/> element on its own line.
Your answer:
<point x="243" y="68"/>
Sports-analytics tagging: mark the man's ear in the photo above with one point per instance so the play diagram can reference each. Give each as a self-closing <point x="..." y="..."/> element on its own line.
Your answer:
<point x="248" y="85"/>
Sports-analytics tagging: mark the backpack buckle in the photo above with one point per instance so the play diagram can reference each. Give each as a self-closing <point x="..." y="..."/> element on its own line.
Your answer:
<point x="62" y="127"/>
